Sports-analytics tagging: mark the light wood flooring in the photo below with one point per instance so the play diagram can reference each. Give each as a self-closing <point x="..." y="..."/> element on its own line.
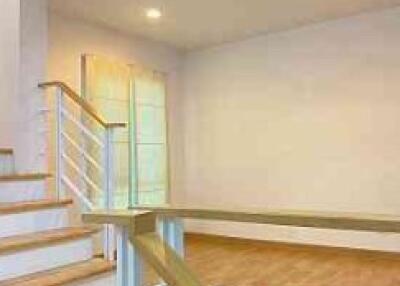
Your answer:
<point x="233" y="262"/>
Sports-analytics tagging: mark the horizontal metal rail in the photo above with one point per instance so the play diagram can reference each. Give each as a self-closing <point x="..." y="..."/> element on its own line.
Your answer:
<point x="82" y="174"/>
<point x="88" y="204"/>
<point x="81" y="127"/>
<point x="83" y="152"/>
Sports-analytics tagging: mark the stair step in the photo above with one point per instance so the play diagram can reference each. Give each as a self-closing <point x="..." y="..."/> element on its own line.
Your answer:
<point x="24" y="177"/>
<point x="34" y="221"/>
<point x="20" y="207"/>
<point x="63" y="275"/>
<point x="44" y="238"/>
<point x="43" y="251"/>
<point x="6" y="151"/>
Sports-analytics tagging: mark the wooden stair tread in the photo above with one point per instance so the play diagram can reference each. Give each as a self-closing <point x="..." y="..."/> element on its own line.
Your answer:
<point x="20" y="207"/>
<point x="63" y="275"/>
<point x="6" y="151"/>
<point x="45" y="238"/>
<point x="24" y="177"/>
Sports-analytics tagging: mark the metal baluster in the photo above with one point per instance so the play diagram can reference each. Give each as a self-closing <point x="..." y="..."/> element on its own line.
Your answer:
<point x="59" y="143"/>
<point x="109" y="236"/>
<point x="171" y="230"/>
<point x="129" y="264"/>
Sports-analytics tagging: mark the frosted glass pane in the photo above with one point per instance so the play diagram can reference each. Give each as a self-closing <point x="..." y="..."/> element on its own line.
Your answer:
<point x="153" y="198"/>
<point x="150" y="124"/>
<point x="113" y="110"/>
<point x="152" y="168"/>
<point x="106" y="79"/>
<point x="149" y="92"/>
<point x="121" y="167"/>
<point x="151" y="140"/>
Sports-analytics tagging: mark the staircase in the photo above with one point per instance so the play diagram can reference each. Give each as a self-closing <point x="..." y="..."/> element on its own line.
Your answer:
<point x="38" y="244"/>
<point x="43" y="241"/>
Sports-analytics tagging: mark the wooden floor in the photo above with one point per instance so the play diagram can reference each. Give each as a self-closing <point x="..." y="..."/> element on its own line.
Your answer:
<point x="233" y="262"/>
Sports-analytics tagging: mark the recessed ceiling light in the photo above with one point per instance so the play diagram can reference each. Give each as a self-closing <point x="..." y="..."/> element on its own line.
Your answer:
<point x="153" y="13"/>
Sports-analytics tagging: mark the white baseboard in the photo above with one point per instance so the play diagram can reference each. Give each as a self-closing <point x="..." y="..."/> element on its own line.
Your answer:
<point x="388" y="242"/>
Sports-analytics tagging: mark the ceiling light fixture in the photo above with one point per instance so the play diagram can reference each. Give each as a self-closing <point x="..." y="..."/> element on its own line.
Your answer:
<point x="153" y="13"/>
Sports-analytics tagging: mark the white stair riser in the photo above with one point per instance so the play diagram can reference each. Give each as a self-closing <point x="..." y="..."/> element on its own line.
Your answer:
<point x="35" y="221"/>
<point x="108" y="279"/>
<point x="22" y="191"/>
<point x="6" y="164"/>
<point x="42" y="259"/>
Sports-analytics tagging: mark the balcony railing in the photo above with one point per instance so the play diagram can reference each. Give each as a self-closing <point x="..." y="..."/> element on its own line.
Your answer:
<point x="162" y="247"/>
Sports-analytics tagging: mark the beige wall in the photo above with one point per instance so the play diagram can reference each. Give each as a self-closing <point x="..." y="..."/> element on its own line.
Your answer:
<point x="70" y="38"/>
<point x="23" y="47"/>
<point x="9" y="60"/>
<point x="303" y="119"/>
<point x="31" y="143"/>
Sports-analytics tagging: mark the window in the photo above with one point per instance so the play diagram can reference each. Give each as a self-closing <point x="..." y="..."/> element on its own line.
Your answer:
<point x="151" y="182"/>
<point x="125" y="93"/>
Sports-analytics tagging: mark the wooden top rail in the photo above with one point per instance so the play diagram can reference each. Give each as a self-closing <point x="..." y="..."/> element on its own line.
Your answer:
<point x="81" y="102"/>
<point x="324" y="220"/>
<point x="173" y="269"/>
<point x="164" y="260"/>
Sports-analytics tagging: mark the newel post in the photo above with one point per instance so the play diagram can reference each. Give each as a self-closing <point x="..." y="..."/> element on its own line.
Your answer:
<point x="129" y="264"/>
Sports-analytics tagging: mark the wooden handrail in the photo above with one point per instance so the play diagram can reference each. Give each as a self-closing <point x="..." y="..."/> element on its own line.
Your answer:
<point x="170" y="265"/>
<point x="164" y="260"/>
<point x="324" y="220"/>
<point x="82" y="103"/>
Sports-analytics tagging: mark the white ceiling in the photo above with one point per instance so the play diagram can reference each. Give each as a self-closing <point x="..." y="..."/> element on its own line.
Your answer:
<point x="191" y="24"/>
